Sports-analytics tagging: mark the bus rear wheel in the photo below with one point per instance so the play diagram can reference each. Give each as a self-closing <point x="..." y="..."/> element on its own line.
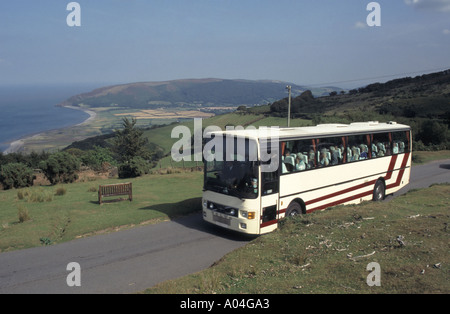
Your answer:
<point x="379" y="191"/>
<point x="294" y="209"/>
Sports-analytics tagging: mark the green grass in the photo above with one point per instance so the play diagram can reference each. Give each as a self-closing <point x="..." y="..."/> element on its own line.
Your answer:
<point x="76" y="212"/>
<point x="425" y="157"/>
<point x="328" y="252"/>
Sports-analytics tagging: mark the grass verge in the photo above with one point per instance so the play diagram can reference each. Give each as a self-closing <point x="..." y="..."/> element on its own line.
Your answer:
<point x="328" y="252"/>
<point x="423" y="157"/>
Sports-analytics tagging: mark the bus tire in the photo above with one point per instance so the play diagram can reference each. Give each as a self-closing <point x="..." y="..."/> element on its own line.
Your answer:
<point x="294" y="209"/>
<point x="379" y="191"/>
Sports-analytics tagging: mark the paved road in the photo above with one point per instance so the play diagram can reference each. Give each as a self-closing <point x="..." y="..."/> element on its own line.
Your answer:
<point x="425" y="175"/>
<point x="133" y="260"/>
<point x="121" y="262"/>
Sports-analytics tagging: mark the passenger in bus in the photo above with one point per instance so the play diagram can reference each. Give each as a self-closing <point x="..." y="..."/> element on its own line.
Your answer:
<point x="381" y="149"/>
<point x="363" y="154"/>
<point x="300" y="163"/>
<point x="324" y="161"/>
<point x="395" y="149"/>
<point x="355" y="153"/>
<point x="349" y="154"/>
<point x="334" y="155"/>
<point x="374" y="150"/>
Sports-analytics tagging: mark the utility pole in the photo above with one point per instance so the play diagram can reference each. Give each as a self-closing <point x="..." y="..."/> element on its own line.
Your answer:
<point x="289" y="106"/>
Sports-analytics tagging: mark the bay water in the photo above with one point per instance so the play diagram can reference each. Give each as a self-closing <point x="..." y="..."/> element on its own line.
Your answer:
<point x="29" y="110"/>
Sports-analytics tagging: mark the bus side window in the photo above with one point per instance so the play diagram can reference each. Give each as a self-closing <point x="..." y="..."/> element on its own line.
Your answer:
<point x="400" y="142"/>
<point x="303" y="155"/>
<point x="358" y="148"/>
<point x="382" y="144"/>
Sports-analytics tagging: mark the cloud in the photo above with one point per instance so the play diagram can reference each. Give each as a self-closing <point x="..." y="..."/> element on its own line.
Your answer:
<point x="446" y="31"/>
<point x="435" y="5"/>
<point x="360" y="25"/>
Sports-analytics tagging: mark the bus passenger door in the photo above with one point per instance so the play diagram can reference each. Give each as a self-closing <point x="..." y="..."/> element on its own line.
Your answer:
<point x="269" y="201"/>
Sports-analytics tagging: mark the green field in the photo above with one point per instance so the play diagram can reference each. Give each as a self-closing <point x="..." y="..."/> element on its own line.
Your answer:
<point x="328" y="252"/>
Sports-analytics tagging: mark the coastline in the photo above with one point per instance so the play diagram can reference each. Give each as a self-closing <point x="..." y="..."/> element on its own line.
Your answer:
<point x="18" y="145"/>
<point x="92" y="114"/>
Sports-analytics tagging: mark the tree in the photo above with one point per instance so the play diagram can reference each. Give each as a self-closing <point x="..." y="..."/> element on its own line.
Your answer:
<point x="433" y="133"/>
<point x="130" y="142"/>
<point x="97" y="158"/>
<point x="16" y="175"/>
<point x="61" y="167"/>
<point x="135" y="168"/>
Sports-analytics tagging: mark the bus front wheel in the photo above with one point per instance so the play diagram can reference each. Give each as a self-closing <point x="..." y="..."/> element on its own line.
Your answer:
<point x="379" y="191"/>
<point x="293" y="209"/>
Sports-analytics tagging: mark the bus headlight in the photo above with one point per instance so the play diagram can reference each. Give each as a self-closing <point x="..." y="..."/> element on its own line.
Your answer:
<point x="248" y="215"/>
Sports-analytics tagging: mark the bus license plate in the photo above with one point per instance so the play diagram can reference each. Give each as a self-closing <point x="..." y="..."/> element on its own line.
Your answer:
<point x="223" y="220"/>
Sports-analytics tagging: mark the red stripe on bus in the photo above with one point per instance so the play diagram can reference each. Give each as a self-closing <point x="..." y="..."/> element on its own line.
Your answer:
<point x="391" y="167"/>
<point x="268" y="223"/>
<point x="364" y="194"/>
<point x="340" y="192"/>
<point x="360" y="186"/>
<point x="402" y="171"/>
<point x="350" y="198"/>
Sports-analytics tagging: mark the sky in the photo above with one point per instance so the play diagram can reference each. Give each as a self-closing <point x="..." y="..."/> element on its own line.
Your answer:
<point x="305" y="42"/>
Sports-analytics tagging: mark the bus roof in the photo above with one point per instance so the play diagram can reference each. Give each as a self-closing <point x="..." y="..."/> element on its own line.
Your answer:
<point x="316" y="131"/>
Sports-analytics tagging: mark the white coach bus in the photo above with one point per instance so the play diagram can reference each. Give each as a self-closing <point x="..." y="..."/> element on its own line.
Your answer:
<point x="318" y="167"/>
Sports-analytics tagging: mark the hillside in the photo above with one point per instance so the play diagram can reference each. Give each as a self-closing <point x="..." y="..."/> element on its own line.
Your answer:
<point x="189" y="93"/>
<point x="425" y="96"/>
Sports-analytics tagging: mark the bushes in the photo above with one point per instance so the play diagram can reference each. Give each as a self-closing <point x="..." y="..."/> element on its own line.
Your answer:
<point x="135" y="168"/>
<point x="16" y="175"/>
<point x="35" y="195"/>
<point x="97" y="158"/>
<point x="61" y="167"/>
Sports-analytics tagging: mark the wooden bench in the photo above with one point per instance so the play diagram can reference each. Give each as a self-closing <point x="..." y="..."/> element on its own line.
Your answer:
<point x="115" y="190"/>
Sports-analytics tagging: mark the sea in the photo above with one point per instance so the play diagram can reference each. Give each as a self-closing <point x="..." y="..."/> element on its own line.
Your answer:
<point x="29" y="110"/>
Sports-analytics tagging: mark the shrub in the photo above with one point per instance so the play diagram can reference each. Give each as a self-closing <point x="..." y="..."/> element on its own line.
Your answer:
<point x="61" y="167"/>
<point x="97" y="158"/>
<point x="60" y="191"/>
<point x="135" y="168"/>
<point x="16" y="175"/>
<point x="45" y="241"/>
<point x="34" y="195"/>
<point x="23" y="213"/>
<point x="93" y="189"/>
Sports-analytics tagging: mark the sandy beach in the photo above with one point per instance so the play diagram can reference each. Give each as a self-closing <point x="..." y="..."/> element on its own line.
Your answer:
<point x="92" y="114"/>
<point x="17" y="146"/>
<point x="14" y="147"/>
